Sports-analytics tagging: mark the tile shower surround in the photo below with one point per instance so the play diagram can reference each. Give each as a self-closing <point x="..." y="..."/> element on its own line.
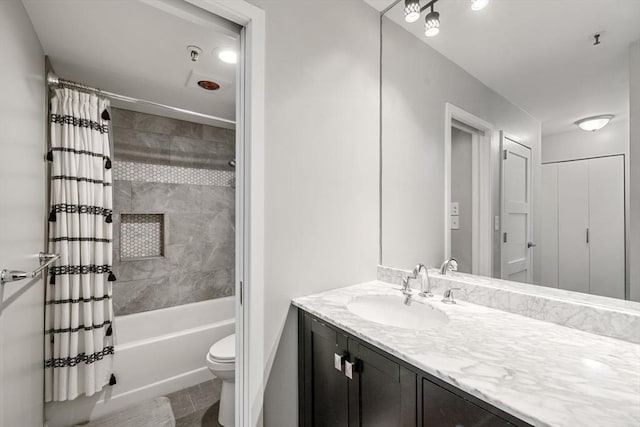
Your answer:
<point x="180" y="169"/>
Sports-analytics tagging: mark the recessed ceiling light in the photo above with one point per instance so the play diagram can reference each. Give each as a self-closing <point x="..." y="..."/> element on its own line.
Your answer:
<point x="592" y="124"/>
<point x="228" y="56"/>
<point x="478" y="4"/>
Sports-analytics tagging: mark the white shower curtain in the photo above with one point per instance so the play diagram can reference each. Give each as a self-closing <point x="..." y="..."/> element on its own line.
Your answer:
<point x="78" y="311"/>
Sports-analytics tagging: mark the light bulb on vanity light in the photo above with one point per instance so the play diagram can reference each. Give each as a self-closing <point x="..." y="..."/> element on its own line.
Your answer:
<point x="594" y="123"/>
<point x="478" y="4"/>
<point x="411" y="10"/>
<point x="432" y="24"/>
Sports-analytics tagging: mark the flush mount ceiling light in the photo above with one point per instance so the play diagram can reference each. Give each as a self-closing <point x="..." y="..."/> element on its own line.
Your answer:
<point x="412" y="10"/>
<point x="228" y="56"/>
<point x="208" y="85"/>
<point x="432" y="23"/>
<point x="478" y="4"/>
<point x="592" y="124"/>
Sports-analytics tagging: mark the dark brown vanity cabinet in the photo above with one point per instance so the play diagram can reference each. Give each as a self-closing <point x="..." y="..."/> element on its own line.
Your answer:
<point x="346" y="382"/>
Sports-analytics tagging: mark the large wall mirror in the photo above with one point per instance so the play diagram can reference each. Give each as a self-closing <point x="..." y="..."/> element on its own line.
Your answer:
<point x="484" y="154"/>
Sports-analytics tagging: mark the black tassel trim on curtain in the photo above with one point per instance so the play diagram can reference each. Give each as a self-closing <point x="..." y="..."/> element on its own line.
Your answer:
<point x="112" y="277"/>
<point x="112" y="380"/>
<point x="52" y="215"/>
<point x="52" y="280"/>
<point x="50" y="155"/>
<point x="106" y="115"/>
<point x="107" y="164"/>
<point x="109" y="219"/>
<point x="109" y="331"/>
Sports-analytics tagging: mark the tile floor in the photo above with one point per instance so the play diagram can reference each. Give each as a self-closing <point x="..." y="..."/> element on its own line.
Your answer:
<point x="197" y="406"/>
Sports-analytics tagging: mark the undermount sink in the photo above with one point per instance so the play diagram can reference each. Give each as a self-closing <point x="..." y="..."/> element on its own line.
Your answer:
<point x="391" y="310"/>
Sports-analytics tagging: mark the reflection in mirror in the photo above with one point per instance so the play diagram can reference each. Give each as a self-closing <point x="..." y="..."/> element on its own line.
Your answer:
<point x="487" y="126"/>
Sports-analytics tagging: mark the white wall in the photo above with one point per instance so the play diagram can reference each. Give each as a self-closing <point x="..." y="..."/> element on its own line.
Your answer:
<point x="322" y="156"/>
<point x="417" y="82"/>
<point x="634" y="163"/>
<point x="22" y="217"/>
<point x="462" y="193"/>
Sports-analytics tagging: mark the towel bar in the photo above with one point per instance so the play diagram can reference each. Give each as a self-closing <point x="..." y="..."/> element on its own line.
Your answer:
<point x="13" y="275"/>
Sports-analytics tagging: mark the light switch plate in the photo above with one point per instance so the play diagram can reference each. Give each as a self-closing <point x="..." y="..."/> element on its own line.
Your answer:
<point x="455" y="222"/>
<point x="455" y="208"/>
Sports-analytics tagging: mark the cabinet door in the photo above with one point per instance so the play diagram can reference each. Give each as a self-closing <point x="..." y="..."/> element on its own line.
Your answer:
<point x="606" y="227"/>
<point x="382" y="393"/>
<point x="573" y="222"/>
<point x="441" y="408"/>
<point x="326" y="389"/>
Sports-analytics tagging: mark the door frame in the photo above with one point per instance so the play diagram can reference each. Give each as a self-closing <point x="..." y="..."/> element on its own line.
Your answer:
<point x="516" y="140"/>
<point x="250" y="160"/>
<point x="482" y="245"/>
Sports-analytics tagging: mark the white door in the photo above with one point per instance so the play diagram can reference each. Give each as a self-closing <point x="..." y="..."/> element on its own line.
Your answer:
<point x="606" y="227"/>
<point x="22" y="217"/>
<point x="516" y="211"/>
<point x="573" y="224"/>
<point x="549" y="225"/>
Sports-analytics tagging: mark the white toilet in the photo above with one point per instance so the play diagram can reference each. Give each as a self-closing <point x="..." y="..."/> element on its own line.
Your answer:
<point x="221" y="360"/>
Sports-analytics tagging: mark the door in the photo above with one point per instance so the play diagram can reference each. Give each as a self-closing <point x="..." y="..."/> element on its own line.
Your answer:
<point x="22" y="217"/>
<point x="441" y="408"/>
<point x="516" y="211"/>
<point x="326" y="388"/>
<point x="382" y="393"/>
<point x="573" y="226"/>
<point x="606" y="227"/>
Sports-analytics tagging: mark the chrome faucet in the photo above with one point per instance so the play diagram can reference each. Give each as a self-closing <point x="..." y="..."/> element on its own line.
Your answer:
<point x="450" y="264"/>
<point x="447" y="297"/>
<point x="419" y="270"/>
<point x="425" y="283"/>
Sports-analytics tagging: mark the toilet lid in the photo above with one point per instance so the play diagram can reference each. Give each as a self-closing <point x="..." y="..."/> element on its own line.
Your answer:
<point x="224" y="350"/>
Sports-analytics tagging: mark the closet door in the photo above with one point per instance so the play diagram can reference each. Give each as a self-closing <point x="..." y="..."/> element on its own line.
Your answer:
<point x="606" y="226"/>
<point x="573" y="222"/>
<point x="549" y="223"/>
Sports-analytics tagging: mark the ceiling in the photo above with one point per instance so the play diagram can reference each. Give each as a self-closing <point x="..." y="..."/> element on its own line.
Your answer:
<point x="138" y="48"/>
<point x="539" y="54"/>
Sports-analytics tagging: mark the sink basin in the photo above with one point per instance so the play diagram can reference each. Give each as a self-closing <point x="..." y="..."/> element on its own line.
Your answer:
<point x="391" y="310"/>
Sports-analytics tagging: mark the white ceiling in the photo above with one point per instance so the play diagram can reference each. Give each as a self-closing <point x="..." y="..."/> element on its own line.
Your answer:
<point x="138" y="48"/>
<point x="539" y="53"/>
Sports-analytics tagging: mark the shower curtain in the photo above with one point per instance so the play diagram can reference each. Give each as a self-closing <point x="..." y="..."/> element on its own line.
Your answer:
<point x="78" y="311"/>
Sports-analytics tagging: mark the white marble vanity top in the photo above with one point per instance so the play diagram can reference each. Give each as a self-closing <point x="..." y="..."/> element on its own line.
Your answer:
<point x="540" y="372"/>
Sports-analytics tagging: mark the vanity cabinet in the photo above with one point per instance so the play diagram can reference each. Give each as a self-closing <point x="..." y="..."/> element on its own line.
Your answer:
<point x="344" y="381"/>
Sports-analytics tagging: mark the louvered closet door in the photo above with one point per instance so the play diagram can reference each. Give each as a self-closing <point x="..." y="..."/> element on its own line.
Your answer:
<point x="606" y="226"/>
<point x="573" y="222"/>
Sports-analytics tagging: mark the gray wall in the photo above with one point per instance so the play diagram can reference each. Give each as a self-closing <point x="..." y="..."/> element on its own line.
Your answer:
<point x="634" y="168"/>
<point x="417" y="82"/>
<point x="461" y="192"/>
<point x="22" y="216"/>
<point x="321" y="172"/>
<point x="199" y="218"/>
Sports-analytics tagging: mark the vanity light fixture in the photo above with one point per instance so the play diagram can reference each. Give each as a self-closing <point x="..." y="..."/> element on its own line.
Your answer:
<point x="228" y="56"/>
<point x="594" y="123"/>
<point x="412" y="10"/>
<point x="478" y="4"/>
<point x="432" y="23"/>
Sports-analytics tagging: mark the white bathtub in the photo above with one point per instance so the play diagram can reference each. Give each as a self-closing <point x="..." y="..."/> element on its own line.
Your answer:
<point x="157" y="352"/>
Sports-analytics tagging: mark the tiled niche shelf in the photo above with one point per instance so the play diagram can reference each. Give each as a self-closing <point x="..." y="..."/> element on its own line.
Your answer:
<point x="141" y="236"/>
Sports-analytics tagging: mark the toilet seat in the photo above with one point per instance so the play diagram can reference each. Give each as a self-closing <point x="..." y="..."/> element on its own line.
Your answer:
<point x="224" y="351"/>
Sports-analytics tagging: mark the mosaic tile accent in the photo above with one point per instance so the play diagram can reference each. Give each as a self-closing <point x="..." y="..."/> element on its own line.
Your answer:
<point x="141" y="236"/>
<point x="146" y="172"/>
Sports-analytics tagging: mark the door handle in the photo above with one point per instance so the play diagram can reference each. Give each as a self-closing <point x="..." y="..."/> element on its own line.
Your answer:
<point x="531" y="245"/>
<point x="337" y="361"/>
<point x="348" y="369"/>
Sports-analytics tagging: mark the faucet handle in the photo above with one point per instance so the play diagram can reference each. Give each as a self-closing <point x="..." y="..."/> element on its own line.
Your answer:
<point x="447" y="297"/>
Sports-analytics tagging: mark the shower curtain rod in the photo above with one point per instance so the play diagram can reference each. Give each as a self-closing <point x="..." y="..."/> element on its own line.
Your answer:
<point x="53" y="79"/>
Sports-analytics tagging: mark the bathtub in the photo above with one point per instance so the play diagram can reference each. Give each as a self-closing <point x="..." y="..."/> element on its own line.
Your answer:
<point x="156" y="353"/>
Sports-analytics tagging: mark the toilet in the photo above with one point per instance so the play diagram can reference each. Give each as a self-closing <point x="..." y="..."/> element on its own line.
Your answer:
<point x="221" y="360"/>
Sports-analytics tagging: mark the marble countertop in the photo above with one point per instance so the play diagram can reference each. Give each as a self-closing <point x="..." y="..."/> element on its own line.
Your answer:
<point x="540" y="372"/>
